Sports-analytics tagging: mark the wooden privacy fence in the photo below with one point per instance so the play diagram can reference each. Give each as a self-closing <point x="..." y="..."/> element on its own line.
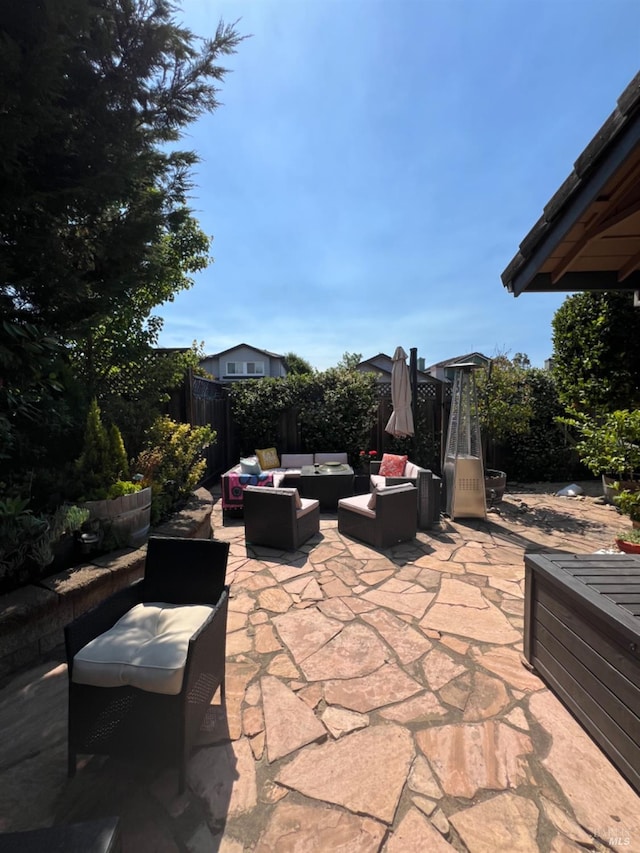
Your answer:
<point x="205" y="402"/>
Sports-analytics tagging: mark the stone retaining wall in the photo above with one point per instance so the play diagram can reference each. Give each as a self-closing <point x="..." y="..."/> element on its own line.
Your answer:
<point x="32" y="619"/>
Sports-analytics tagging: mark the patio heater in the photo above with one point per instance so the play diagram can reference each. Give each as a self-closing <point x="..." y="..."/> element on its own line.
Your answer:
<point x="463" y="469"/>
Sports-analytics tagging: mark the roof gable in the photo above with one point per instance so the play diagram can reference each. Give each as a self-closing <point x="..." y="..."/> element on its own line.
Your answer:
<point x="588" y="237"/>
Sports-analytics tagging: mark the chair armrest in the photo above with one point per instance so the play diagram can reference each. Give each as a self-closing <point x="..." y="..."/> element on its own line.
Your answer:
<point x="99" y="619"/>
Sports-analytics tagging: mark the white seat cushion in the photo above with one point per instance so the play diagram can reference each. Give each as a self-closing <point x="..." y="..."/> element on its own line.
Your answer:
<point x="306" y="506"/>
<point x="359" y="504"/>
<point x="146" y="648"/>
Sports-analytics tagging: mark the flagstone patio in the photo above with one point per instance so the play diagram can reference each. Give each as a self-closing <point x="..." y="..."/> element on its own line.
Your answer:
<point x="375" y="702"/>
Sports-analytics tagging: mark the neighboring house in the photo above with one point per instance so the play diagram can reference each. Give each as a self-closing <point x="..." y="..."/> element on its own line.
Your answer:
<point x="244" y="362"/>
<point x="588" y="237"/>
<point x="445" y="370"/>
<point x="382" y="365"/>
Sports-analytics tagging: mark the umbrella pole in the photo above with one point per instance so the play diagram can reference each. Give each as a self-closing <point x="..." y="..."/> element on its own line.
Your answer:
<point x="413" y="377"/>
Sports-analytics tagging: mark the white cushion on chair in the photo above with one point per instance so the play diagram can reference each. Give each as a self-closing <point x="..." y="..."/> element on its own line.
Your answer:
<point x="306" y="506"/>
<point x="146" y="648"/>
<point x="359" y="504"/>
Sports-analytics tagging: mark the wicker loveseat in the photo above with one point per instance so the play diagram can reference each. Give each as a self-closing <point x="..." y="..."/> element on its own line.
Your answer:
<point x="141" y="676"/>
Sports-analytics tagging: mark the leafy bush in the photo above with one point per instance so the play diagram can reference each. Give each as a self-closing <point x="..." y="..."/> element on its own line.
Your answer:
<point x="23" y="538"/>
<point x="628" y="501"/>
<point x="609" y="444"/>
<point x="332" y="410"/>
<point x="172" y="463"/>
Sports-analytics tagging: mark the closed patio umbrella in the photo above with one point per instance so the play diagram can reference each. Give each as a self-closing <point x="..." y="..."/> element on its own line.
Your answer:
<point x="401" y="421"/>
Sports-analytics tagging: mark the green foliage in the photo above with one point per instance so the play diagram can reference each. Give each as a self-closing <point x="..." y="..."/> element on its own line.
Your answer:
<point x="349" y="361"/>
<point x="596" y="358"/>
<point x="630" y="535"/>
<point x="23" y="537"/>
<point x="544" y="452"/>
<point x="103" y="461"/>
<point x="628" y="501"/>
<point x="333" y="410"/>
<point x="338" y="412"/>
<point x="95" y="224"/>
<point x="504" y="402"/>
<point x="119" y="461"/>
<point x="67" y="518"/>
<point x="295" y="364"/>
<point x="123" y="487"/>
<point x="173" y="463"/>
<point x="609" y="444"/>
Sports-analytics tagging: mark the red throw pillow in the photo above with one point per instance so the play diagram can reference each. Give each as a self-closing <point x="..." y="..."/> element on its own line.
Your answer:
<point x="392" y="465"/>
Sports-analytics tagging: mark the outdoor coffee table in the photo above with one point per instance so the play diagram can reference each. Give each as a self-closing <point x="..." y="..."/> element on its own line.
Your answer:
<point x="327" y="483"/>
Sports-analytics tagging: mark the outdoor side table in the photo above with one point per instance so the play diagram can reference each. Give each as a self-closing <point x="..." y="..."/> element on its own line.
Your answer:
<point x="582" y="636"/>
<point x="326" y="483"/>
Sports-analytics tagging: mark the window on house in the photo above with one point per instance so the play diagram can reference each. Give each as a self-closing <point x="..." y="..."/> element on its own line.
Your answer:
<point x="245" y="368"/>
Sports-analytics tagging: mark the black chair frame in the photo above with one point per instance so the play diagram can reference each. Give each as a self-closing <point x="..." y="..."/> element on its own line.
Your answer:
<point x="128" y="722"/>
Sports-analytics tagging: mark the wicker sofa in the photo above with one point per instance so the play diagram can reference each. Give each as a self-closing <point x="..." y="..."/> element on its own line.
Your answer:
<point x="234" y="481"/>
<point x="426" y="482"/>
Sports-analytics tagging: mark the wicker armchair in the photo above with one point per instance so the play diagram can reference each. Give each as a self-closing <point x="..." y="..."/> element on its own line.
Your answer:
<point x="427" y="483"/>
<point x="392" y="519"/>
<point x="279" y="518"/>
<point x="125" y="720"/>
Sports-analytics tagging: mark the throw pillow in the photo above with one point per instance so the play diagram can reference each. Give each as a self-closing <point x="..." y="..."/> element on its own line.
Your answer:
<point x="250" y="465"/>
<point x="392" y="465"/>
<point x="268" y="458"/>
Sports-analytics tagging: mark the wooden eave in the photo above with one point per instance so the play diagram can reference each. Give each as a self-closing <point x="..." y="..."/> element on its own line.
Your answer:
<point x="588" y="237"/>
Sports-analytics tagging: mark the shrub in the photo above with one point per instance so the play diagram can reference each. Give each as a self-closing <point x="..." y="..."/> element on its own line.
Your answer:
<point x="24" y="538"/>
<point x="172" y="463"/>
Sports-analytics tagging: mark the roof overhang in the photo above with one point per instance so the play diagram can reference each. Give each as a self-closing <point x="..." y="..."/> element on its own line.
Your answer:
<point x="588" y="237"/>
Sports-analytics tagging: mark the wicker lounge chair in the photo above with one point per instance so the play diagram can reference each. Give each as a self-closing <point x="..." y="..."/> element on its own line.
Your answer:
<point x="279" y="518"/>
<point x="383" y="518"/>
<point x="133" y="697"/>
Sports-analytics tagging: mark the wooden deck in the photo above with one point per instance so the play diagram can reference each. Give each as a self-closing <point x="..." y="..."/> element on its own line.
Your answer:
<point x="582" y="635"/>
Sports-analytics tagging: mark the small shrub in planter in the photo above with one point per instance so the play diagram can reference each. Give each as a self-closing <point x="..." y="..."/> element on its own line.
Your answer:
<point x="24" y="544"/>
<point x="629" y="541"/>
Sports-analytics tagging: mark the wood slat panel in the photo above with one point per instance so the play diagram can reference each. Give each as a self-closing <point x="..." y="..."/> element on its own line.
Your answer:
<point x="610" y="647"/>
<point x="594" y="659"/>
<point x="569" y="692"/>
<point x="606" y="707"/>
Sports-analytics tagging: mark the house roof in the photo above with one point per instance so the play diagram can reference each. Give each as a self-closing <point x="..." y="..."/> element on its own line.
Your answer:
<point x="382" y="368"/>
<point x="460" y="359"/>
<point x="249" y="346"/>
<point x="588" y="237"/>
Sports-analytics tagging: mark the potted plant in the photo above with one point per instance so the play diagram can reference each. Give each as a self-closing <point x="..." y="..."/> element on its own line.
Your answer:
<point x="629" y="541"/>
<point x="64" y="527"/>
<point x="610" y="447"/>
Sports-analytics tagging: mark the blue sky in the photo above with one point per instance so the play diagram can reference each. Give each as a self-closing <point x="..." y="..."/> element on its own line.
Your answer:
<point x="375" y="164"/>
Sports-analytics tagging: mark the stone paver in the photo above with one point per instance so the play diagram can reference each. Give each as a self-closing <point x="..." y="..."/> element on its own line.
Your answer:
<point x="374" y="702"/>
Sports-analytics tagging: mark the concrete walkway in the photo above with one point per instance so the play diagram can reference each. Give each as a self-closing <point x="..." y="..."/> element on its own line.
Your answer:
<point x="375" y="702"/>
